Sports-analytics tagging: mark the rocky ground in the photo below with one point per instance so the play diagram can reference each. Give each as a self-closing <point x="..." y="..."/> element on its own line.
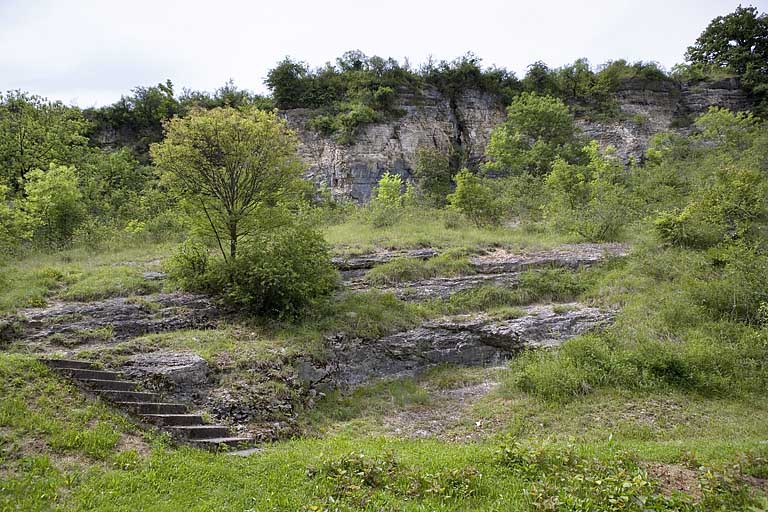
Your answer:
<point x="266" y="398"/>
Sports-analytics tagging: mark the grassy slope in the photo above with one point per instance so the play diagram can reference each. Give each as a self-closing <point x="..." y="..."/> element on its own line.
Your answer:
<point x="60" y="449"/>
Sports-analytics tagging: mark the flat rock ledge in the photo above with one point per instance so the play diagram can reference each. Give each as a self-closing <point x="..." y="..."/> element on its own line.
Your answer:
<point x="470" y="340"/>
<point x="121" y="317"/>
<point x="179" y="369"/>
<point x="498" y="267"/>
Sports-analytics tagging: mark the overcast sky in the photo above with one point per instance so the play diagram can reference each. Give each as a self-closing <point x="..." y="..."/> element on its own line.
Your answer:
<point x="89" y="52"/>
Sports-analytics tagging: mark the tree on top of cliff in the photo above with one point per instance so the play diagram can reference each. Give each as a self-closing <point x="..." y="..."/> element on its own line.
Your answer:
<point x="739" y="42"/>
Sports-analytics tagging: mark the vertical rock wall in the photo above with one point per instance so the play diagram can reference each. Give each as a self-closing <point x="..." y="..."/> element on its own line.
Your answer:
<point x="465" y="123"/>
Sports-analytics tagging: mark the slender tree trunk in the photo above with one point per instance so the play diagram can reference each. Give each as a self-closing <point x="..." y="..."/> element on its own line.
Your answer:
<point x="232" y="242"/>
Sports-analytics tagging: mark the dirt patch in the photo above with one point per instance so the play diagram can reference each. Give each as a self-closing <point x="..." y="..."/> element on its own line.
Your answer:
<point x="134" y="442"/>
<point x="446" y="417"/>
<point x="674" y="478"/>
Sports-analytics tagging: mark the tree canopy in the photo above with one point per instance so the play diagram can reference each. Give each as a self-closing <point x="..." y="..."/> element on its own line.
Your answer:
<point x="230" y="165"/>
<point x="538" y="130"/>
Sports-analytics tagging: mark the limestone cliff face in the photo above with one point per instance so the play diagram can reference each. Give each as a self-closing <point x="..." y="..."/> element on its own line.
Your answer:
<point x="465" y="123"/>
<point x="429" y="119"/>
<point x="652" y="107"/>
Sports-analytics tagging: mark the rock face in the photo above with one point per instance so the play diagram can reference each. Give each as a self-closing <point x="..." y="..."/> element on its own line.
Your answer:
<point x="465" y="123"/>
<point x="429" y="119"/>
<point x="464" y="340"/>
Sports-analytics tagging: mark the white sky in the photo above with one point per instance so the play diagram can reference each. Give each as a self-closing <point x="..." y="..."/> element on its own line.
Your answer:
<point x="89" y="52"/>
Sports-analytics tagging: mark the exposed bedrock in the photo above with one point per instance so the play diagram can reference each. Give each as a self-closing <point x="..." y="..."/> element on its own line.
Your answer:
<point x="464" y="123"/>
<point x="463" y="340"/>
<point x="499" y="267"/>
<point x="123" y="317"/>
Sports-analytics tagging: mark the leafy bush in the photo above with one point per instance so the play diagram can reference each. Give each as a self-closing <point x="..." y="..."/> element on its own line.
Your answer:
<point x="389" y="200"/>
<point x="590" y="200"/>
<point x="561" y="479"/>
<point x="54" y="203"/>
<point x="280" y="273"/>
<point x="538" y="129"/>
<point x="433" y="175"/>
<point x="474" y="199"/>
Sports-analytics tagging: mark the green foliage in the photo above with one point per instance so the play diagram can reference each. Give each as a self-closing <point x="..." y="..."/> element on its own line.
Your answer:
<point x="739" y="288"/>
<point x="355" y="478"/>
<point x="14" y="225"/>
<point x="544" y="285"/>
<point x="283" y="273"/>
<point x="109" y="281"/>
<point x="728" y="192"/>
<point x="738" y="42"/>
<point x="390" y="200"/>
<point x="684" y="324"/>
<point x="139" y="117"/>
<point x="54" y="203"/>
<point x="590" y="93"/>
<point x="474" y="199"/>
<point x="562" y="479"/>
<point x="433" y="174"/>
<point x="538" y="130"/>
<point x="591" y="199"/>
<point x="233" y="168"/>
<point x="279" y="273"/>
<point x="35" y="132"/>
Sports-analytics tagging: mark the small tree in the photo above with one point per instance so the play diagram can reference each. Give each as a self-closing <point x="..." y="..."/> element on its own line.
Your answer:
<point x="738" y="41"/>
<point x="230" y="166"/>
<point x="474" y="199"/>
<point x="35" y="132"/>
<point x="54" y="203"/>
<point x="538" y="130"/>
<point x="433" y="174"/>
<point x="590" y="200"/>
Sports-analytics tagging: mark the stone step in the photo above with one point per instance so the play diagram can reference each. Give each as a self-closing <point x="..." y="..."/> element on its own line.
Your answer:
<point x="160" y="408"/>
<point x="173" y="420"/>
<point x="90" y="374"/>
<point x="200" y="431"/>
<point x="110" y="385"/>
<point x="221" y="442"/>
<point x="130" y="396"/>
<point x="68" y="364"/>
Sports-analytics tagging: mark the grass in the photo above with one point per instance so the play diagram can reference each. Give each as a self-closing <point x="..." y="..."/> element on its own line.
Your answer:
<point x="665" y="336"/>
<point x="78" y="274"/>
<point x="428" y="228"/>
<point x="61" y="450"/>
<point x="451" y="263"/>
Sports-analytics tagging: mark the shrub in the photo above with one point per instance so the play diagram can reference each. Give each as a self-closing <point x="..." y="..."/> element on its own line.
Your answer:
<point x="389" y="199"/>
<point x="433" y="175"/>
<point x="590" y="200"/>
<point x="282" y="273"/>
<point x="54" y="203"/>
<point x="474" y="199"/>
<point x="538" y="130"/>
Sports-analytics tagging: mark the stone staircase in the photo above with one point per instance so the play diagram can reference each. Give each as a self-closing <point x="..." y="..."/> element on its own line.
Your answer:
<point x="149" y="408"/>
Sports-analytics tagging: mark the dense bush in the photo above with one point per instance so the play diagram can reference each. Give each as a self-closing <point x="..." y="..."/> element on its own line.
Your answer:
<point x="391" y="198"/>
<point x="590" y="200"/>
<point x="280" y="273"/>
<point x="433" y="174"/>
<point x="474" y="199"/>
<point x="54" y="203"/>
<point x="538" y="130"/>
